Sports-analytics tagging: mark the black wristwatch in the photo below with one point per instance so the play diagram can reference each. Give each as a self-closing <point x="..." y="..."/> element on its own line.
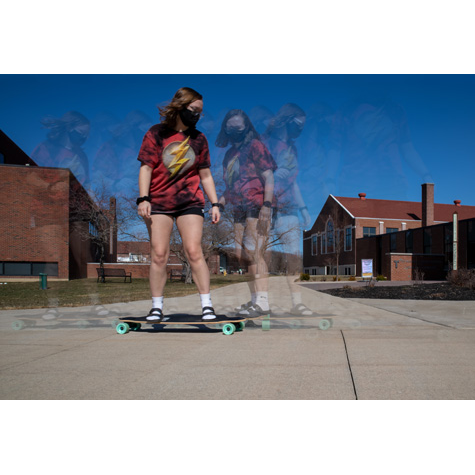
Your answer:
<point x="142" y="199"/>
<point x="267" y="204"/>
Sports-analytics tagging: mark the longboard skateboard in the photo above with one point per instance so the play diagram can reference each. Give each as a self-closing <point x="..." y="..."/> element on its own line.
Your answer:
<point x="323" y="324"/>
<point x="228" y="324"/>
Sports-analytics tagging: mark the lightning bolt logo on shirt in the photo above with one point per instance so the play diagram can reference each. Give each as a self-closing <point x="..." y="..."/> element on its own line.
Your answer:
<point x="232" y="170"/>
<point x="178" y="157"/>
<point x="179" y="161"/>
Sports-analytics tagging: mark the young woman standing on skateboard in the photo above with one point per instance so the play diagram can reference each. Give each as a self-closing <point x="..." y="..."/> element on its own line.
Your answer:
<point x="175" y="161"/>
<point x="248" y="173"/>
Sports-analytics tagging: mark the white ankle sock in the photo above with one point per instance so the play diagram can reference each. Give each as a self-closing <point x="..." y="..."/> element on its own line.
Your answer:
<point x="262" y="300"/>
<point x="296" y="298"/>
<point x="157" y="302"/>
<point x="206" y="302"/>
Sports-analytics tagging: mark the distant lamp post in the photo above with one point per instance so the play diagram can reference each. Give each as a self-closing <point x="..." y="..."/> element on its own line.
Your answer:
<point x="455" y="242"/>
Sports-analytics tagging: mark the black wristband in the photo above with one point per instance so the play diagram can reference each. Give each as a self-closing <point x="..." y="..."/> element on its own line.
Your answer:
<point x="219" y="205"/>
<point x="142" y="199"/>
<point x="267" y="204"/>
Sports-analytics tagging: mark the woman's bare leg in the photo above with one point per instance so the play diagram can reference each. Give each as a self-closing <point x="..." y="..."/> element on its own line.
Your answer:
<point x="159" y="227"/>
<point x="190" y="227"/>
<point x="253" y="243"/>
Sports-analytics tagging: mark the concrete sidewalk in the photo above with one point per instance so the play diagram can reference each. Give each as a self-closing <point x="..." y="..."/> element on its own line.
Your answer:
<point x="382" y="349"/>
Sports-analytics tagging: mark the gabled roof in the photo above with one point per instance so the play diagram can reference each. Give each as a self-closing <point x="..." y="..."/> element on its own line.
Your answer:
<point x="403" y="210"/>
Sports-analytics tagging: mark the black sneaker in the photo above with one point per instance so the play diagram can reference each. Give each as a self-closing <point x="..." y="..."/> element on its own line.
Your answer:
<point x="253" y="311"/>
<point x="155" y="315"/>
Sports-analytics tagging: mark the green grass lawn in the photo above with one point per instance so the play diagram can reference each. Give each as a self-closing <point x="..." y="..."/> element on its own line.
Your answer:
<point x="80" y="292"/>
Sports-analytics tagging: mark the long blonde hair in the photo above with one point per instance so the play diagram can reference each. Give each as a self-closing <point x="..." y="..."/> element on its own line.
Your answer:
<point x="183" y="97"/>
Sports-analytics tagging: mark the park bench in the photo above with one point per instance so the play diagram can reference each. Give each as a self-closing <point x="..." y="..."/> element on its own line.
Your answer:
<point x="102" y="273"/>
<point x="177" y="275"/>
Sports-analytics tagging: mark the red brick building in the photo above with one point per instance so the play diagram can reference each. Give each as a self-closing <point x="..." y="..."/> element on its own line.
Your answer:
<point x="420" y="253"/>
<point x="344" y="232"/>
<point x="43" y="229"/>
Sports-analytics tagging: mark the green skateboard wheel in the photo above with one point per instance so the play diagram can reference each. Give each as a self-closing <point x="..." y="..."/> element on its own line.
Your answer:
<point x="295" y="324"/>
<point x="18" y="325"/>
<point x="240" y="326"/>
<point x="229" y="329"/>
<point x="324" y="324"/>
<point x="266" y="324"/>
<point x="122" y="328"/>
<point x="135" y="326"/>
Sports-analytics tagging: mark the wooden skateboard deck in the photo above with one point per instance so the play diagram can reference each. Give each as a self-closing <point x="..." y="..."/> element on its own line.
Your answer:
<point x="228" y="324"/>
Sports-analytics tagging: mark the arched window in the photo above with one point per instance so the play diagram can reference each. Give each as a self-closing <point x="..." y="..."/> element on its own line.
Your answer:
<point x="330" y="237"/>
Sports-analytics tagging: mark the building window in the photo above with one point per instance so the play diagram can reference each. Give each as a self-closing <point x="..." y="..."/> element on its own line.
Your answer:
<point x="427" y="241"/>
<point x="392" y="230"/>
<point x="330" y="237"/>
<point x="367" y="232"/>
<point x="348" y="238"/>
<point x="2" y="158"/>
<point x="392" y="243"/>
<point x="26" y="269"/>
<point x="93" y="230"/>
<point x="409" y="241"/>
<point x="314" y="245"/>
<point x="323" y="244"/>
<point x="338" y="240"/>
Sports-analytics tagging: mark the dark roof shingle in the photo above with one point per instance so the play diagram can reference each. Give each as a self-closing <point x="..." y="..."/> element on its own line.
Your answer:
<point x="404" y="210"/>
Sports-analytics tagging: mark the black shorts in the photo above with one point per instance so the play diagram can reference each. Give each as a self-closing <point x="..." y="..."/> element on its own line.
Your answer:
<point x="240" y="214"/>
<point x="184" y="212"/>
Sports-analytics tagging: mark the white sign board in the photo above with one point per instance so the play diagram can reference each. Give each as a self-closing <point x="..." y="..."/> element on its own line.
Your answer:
<point x="367" y="268"/>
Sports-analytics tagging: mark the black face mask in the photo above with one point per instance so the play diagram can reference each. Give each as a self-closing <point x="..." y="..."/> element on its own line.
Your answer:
<point x="294" y="130"/>
<point x="77" y="138"/>
<point x="235" y="135"/>
<point x="189" y="118"/>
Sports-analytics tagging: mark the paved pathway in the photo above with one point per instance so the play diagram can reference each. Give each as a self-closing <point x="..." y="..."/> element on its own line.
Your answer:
<point x="382" y="349"/>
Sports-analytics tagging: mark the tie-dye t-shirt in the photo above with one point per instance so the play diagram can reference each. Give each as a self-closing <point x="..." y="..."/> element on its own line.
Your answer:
<point x="242" y="172"/>
<point x="176" y="158"/>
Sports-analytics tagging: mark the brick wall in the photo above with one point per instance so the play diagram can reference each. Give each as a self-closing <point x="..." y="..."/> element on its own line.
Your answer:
<point x="34" y="214"/>
<point x="404" y="266"/>
<point x="387" y="223"/>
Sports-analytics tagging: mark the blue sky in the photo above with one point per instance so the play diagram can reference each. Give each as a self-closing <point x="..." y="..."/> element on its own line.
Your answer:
<point x="366" y="119"/>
